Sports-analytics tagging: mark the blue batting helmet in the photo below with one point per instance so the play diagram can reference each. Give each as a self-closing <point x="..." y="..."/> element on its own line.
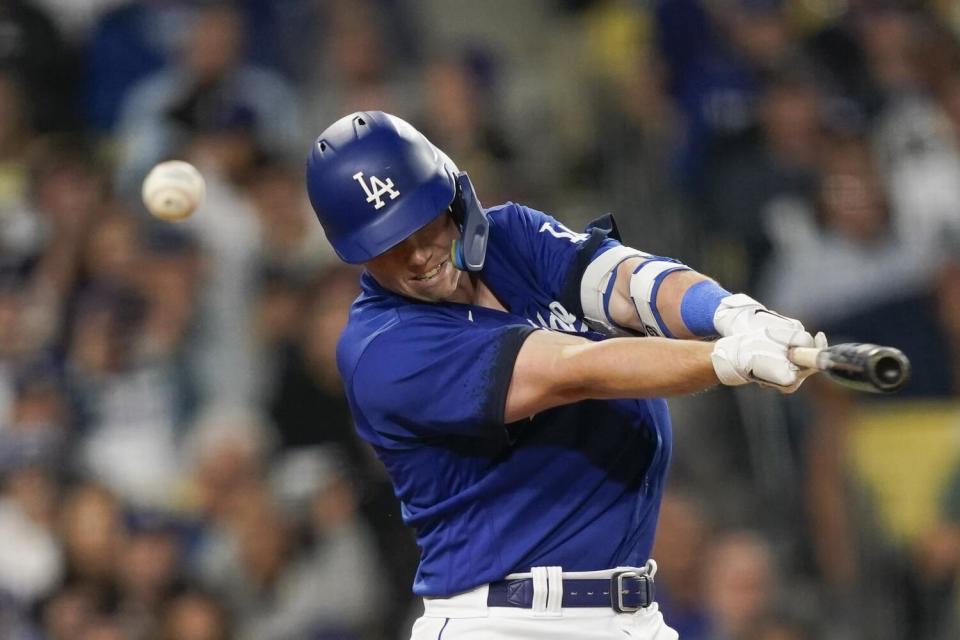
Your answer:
<point x="373" y="180"/>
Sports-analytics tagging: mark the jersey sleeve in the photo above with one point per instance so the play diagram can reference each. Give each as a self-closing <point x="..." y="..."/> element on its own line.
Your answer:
<point x="557" y="255"/>
<point x="437" y="376"/>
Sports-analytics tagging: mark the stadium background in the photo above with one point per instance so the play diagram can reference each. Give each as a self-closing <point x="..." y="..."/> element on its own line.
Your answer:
<point x="176" y="457"/>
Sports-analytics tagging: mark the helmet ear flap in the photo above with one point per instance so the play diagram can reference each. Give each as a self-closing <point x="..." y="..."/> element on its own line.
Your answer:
<point x="469" y="252"/>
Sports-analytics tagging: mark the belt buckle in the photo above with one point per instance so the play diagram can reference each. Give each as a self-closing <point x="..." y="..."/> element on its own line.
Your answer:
<point x="617" y="590"/>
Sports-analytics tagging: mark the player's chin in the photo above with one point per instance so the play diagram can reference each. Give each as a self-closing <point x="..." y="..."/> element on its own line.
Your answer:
<point x="438" y="289"/>
<point x="431" y="294"/>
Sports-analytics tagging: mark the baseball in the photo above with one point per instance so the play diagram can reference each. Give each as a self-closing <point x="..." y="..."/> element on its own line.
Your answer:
<point x="173" y="190"/>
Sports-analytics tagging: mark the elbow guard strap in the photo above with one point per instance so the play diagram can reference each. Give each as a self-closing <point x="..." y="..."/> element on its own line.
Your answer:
<point x="596" y="285"/>
<point x="644" y="286"/>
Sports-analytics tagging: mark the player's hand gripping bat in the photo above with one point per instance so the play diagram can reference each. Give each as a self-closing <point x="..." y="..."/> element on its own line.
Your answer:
<point x="865" y="367"/>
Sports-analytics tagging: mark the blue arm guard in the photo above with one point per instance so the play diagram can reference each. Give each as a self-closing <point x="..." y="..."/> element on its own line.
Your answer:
<point x="698" y="306"/>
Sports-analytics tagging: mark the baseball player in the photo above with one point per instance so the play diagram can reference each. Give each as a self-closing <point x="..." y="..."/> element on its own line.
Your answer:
<point x="509" y="373"/>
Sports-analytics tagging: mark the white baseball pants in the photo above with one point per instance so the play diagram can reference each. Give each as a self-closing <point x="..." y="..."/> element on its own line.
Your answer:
<point x="466" y="616"/>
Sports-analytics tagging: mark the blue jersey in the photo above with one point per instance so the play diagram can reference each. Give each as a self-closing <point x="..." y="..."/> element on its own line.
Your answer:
<point x="577" y="486"/>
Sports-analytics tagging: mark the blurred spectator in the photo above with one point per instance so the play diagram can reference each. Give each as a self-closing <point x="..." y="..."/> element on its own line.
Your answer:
<point x="866" y="56"/>
<point x="282" y="299"/>
<point x="37" y="428"/>
<point x="226" y="236"/>
<point x="293" y="242"/>
<point x="31" y="560"/>
<point x="15" y="345"/>
<point x="849" y="560"/>
<point x="462" y="117"/>
<point x="719" y="55"/>
<point x="194" y="615"/>
<point x="34" y="442"/>
<point x="16" y="134"/>
<point x="249" y="566"/>
<point x="131" y="40"/>
<point x="936" y="555"/>
<point x="949" y="12"/>
<point x="101" y="342"/>
<point x="751" y="183"/>
<point x="779" y="625"/>
<point x="92" y="530"/>
<point x="323" y="586"/>
<point x="227" y="449"/>
<point x="741" y="584"/>
<point x="309" y="406"/>
<point x="281" y="34"/>
<point x="14" y="624"/>
<point x="147" y="572"/>
<point x="110" y="256"/>
<point x="69" y="612"/>
<point x="223" y="352"/>
<point x="629" y="159"/>
<point x="918" y="139"/>
<point x="208" y="89"/>
<point x="65" y="197"/>
<point x="948" y="308"/>
<point x="32" y="49"/>
<point x="127" y="404"/>
<point x="127" y="43"/>
<point x="253" y="554"/>
<point x="357" y="65"/>
<point x="846" y="245"/>
<point x="168" y="277"/>
<point x="75" y="17"/>
<point x="681" y="546"/>
<point x="936" y="574"/>
<point x="103" y="628"/>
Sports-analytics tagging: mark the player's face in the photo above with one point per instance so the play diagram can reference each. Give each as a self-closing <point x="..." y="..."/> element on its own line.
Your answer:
<point x="420" y="267"/>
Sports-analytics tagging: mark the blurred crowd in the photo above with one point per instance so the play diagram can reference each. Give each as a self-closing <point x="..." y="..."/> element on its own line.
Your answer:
<point x="176" y="457"/>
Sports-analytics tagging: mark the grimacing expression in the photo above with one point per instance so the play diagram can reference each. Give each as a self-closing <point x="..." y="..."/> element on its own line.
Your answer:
<point x="419" y="267"/>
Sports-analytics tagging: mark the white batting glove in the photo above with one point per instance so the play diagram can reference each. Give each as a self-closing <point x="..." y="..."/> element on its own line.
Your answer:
<point x="760" y="357"/>
<point x="739" y="313"/>
<point x="820" y="342"/>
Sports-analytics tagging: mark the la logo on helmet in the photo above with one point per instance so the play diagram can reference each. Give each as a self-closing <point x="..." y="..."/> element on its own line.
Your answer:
<point x="377" y="189"/>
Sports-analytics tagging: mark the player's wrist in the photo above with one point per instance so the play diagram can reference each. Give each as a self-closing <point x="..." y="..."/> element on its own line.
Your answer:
<point x="699" y="306"/>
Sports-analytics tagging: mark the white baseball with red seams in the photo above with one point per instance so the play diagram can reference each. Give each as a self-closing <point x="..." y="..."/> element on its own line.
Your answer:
<point x="173" y="190"/>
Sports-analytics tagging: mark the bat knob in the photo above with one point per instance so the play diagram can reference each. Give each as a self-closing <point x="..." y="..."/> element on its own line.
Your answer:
<point x="890" y="369"/>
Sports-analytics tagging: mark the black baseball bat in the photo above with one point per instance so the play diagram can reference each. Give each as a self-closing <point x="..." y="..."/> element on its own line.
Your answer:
<point x="861" y="366"/>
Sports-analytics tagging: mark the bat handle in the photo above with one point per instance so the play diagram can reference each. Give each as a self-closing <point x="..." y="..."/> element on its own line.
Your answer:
<point x="806" y="357"/>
